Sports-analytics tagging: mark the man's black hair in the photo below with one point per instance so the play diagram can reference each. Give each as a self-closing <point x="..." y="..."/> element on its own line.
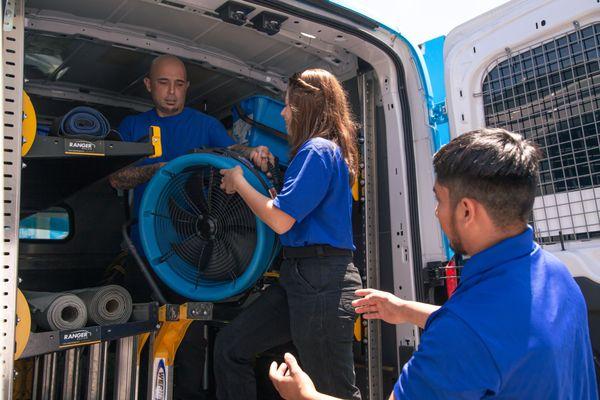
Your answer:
<point x="497" y="168"/>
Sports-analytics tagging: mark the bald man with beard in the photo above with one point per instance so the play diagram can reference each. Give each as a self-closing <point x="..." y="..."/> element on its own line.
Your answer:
<point x="182" y="129"/>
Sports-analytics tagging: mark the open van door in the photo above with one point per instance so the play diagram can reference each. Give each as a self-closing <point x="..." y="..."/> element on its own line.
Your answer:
<point x="398" y="136"/>
<point x="230" y="58"/>
<point x="532" y="67"/>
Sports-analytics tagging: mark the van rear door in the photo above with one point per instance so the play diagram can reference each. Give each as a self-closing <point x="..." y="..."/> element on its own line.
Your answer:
<point x="532" y="67"/>
<point x="405" y="236"/>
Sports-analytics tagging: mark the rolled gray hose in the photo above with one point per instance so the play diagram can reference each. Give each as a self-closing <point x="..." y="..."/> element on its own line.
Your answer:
<point x="56" y="311"/>
<point x="106" y="305"/>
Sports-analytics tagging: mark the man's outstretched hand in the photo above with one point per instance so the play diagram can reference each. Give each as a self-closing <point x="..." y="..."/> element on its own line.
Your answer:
<point x="290" y="381"/>
<point x="261" y="157"/>
<point x="376" y="304"/>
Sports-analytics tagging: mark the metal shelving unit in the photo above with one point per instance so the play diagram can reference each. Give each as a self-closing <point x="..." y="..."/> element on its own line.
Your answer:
<point x="56" y="167"/>
<point x="145" y="320"/>
<point x="86" y="358"/>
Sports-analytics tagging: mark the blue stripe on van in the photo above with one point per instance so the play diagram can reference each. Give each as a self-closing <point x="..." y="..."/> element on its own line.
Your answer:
<point x="434" y="58"/>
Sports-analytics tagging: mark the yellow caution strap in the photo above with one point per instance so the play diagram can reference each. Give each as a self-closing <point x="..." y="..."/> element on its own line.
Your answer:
<point x="29" y="124"/>
<point x="355" y="189"/>
<point x="358" y="329"/>
<point x="156" y="141"/>
<point x="23" y="327"/>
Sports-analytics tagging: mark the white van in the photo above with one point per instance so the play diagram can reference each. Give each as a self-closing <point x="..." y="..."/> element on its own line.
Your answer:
<point x="530" y="66"/>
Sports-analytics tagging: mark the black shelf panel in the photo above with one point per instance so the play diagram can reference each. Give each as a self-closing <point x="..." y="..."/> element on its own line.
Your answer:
<point x="57" y="147"/>
<point x="144" y="319"/>
<point x="56" y="168"/>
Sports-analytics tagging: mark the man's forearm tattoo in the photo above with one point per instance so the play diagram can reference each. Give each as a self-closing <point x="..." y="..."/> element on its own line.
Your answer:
<point x="130" y="177"/>
<point x="244" y="151"/>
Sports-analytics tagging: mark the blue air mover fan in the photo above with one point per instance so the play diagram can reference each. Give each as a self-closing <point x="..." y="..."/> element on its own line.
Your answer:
<point x="204" y="244"/>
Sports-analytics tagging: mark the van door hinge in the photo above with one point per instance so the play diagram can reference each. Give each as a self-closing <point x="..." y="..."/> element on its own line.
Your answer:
<point x="437" y="272"/>
<point x="439" y="114"/>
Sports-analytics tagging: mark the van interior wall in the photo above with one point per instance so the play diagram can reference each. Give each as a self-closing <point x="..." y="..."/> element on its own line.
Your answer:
<point x="111" y="79"/>
<point x="94" y="70"/>
<point x="386" y="271"/>
<point x="49" y="109"/>
<point x="386" y="265"/>
<point x="80" y="261"/>
<point x="98" y="213"/>
<point x="86" y="66"/>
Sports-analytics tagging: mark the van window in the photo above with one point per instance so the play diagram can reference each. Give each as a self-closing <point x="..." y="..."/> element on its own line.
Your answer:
<point x="51" y="224"/>
<point x="550" y="93"/>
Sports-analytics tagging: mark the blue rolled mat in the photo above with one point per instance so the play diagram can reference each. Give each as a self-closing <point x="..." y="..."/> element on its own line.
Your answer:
<point x="84" y="123"/>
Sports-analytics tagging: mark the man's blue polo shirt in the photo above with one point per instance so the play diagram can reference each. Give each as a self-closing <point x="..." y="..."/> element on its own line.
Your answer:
<point x="180" y="133"/>
<point x="516" y="328"/>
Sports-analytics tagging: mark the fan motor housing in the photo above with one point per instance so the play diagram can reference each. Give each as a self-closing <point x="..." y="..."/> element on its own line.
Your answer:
<point x="204" y="244"/>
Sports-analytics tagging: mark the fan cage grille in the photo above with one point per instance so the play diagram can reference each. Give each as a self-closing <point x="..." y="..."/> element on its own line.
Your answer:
<point x="193" y="215"/>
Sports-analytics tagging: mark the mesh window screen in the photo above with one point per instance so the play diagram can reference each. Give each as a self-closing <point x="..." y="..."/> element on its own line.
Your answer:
<point x="550" y="93"/>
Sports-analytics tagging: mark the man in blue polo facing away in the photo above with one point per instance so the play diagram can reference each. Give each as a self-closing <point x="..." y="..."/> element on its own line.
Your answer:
<point x="516" y="327"/>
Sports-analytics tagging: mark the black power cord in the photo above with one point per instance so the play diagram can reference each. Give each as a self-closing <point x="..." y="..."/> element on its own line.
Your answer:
<point x="158" y="295"/>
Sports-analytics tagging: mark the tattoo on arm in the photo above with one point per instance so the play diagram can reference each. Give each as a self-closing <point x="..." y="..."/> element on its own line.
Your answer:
<point x="130" y="177"/>
<point x="244" y="151"/>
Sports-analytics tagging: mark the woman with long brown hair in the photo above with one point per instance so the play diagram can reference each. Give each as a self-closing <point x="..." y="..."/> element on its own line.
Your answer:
<point x="311" y="304"/>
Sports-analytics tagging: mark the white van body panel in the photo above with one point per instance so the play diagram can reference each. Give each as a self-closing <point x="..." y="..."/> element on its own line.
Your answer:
<point x="471" y="51"/>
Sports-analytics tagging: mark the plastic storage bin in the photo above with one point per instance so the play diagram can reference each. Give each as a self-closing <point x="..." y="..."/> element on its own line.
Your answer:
<point x="261" y="124"/>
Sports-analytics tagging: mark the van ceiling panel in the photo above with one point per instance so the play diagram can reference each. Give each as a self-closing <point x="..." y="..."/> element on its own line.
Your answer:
<point x="122" y="37"/>
<point x="240" y="41"/>
<point x="195" y="28"/>
<point x="79" y="62"/>
<point x="264" y="56"/>
<point x="281" y="62"/>
<point x="97" y="9"/>
<point x="168" y="20"/>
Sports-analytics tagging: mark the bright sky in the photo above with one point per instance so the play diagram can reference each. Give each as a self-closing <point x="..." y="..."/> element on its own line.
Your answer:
<point x="421" y="20"/>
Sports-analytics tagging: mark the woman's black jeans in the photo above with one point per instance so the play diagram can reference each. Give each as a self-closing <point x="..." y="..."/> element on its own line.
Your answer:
<point x="310" y="306"/>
